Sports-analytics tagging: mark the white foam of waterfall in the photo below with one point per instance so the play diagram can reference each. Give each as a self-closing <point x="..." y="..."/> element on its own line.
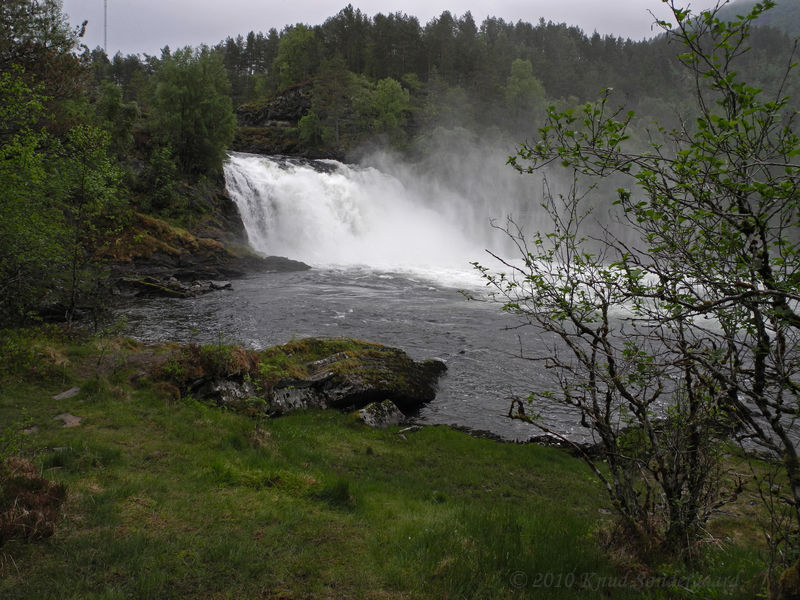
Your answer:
<point x="328" y="214"/>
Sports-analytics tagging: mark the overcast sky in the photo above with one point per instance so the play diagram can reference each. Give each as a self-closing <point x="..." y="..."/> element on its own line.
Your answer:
<point x="146" y="26"/>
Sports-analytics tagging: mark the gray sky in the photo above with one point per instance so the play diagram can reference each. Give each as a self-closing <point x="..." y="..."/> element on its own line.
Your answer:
<point x="146" y="26"/>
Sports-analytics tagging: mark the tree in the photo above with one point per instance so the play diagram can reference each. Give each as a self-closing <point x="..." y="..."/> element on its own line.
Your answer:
<point x="394" y="47"/>
<point x="332" y="99"/>
<point x="467" y="49"/>
<point x="130" y="73"/>
<point x="36" y="36"/>
<point x="785" y="15"/>
<point x="447" y="106"/>
<point x="297" y="56"/>
<point x="685" y="329"/>
<point x="56" y="182"/>
<point x="346" y="35"/>
<point x="387" y="108"/>
<point x="311" y="129"/>
<point x="30" y="222"/>
<point x="116" y="117"/>
<point x="524" y="93"/>
<point x="159" y="178"/>
<point x="439" y="39"/>
<point x="88" y="182"/>
<point x="32" y="31"/>
<point x="191" y="109"/>
<point x="58" y="202"/>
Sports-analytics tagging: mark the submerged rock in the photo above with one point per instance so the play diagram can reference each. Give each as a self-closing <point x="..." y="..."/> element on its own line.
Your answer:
<point x="170" y="287"/>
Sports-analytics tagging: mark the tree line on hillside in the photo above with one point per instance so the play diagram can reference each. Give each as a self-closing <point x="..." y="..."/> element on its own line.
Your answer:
<point x="784" y="16"/>
<point x="391" y="76"/>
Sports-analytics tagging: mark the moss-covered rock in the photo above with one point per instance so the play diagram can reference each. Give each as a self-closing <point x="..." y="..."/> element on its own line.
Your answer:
<point x="381" y="414"/>
<point x="155" y="248"/>
<point x="310" y="373"/>
<point x="374" y="373"/>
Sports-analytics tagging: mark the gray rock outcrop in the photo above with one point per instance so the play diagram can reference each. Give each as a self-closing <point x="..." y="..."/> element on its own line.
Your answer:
<point x="343" y="380"/>
<point x="381" y="415"/>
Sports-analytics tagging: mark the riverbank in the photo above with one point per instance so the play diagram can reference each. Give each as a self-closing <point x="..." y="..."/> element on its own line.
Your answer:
<point x="154" y="248"/>
<point x="173" y="498"/>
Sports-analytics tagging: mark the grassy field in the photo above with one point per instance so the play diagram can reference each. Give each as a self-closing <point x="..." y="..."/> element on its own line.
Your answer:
<point x="170" y="498"/>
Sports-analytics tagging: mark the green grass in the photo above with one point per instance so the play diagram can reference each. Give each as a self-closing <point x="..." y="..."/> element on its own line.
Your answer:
<point x="180" y="500"/>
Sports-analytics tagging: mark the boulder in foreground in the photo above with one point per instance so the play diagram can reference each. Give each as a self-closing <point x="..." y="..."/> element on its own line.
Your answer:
<point x="381" y="415"/>
<point x="323" y="373"/>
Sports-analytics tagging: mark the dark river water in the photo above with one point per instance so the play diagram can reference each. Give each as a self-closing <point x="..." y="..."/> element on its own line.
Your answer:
<point x="480" y="344"/>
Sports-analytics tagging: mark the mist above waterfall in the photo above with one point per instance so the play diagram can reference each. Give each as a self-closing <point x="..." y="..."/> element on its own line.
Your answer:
<point x="383" y="213"/>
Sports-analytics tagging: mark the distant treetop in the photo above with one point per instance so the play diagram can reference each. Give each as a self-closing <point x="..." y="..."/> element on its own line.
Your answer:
<point x="784" y="16"/>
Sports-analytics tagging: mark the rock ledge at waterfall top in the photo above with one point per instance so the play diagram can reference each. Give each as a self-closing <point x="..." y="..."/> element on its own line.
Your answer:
<point x="310" y="373"/>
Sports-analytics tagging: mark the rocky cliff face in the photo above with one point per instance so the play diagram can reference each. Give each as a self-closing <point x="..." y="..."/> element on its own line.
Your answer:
<point x="270" y="127"/>
<point x="284" y="110"/>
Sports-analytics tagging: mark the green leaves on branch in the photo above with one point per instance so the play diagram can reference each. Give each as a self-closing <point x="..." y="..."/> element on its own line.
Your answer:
<point x="58" y="201"/>
<point x="684" y="328"/>
<point x="30" y="217"/>
<point x="590" y="140"/>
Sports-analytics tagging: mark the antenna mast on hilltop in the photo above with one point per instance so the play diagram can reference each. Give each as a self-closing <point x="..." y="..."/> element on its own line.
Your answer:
<point x="105" y="26"/>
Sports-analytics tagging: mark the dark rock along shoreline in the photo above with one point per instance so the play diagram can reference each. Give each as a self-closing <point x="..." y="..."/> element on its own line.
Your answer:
<point x="157" y="259"/>
<point x="344" y="381"/>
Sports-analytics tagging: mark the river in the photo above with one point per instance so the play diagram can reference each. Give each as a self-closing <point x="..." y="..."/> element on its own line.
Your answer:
<point x="389" y="262"/>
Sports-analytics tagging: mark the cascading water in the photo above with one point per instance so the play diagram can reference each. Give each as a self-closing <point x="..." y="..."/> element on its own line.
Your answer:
<point x="329" y="214"/>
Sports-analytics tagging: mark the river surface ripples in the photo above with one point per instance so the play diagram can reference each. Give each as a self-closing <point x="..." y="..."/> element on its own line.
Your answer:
<point x="480" y="344"/>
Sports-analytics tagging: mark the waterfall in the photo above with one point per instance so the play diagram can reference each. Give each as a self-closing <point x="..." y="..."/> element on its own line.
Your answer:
<point x="327" y="213"/>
